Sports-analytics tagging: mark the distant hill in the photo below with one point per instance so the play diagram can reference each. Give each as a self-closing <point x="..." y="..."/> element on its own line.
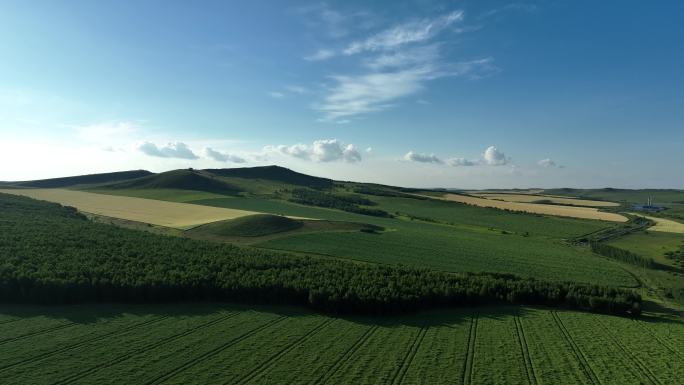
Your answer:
<point x="83" y="179"/>
<point x="186" y="179"/>
<point x="274" y="173"/>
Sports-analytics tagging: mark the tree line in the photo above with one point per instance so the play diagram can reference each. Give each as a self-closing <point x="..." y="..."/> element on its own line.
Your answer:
<point x="348" y="202"/>
<point x="621" y="255"/>
<point x="52" y="254"/>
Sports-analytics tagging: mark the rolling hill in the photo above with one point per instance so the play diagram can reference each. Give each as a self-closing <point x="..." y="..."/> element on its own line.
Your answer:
<point x="177" y="179"/>
<point x="78" y="180"/>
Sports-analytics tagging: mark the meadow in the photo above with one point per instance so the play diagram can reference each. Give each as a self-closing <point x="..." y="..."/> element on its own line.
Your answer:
<point x="234" y="344"/>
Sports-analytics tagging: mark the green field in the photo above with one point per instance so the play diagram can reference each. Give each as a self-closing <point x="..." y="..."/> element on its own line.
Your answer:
<point x="653" y="244"/>
<point x="469" y="239"/>
<point x="408" y="262"/>
<point x="231" y="344"/>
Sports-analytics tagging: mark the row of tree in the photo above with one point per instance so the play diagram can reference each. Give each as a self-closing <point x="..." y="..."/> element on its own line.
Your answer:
<point x="347" y="202"/>
<point x="621" y="255"/>
<point x="51" y="254"/>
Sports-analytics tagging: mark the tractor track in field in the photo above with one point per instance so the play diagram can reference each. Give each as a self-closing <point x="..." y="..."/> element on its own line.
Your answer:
<point x="214" y="352"/>
<point x="142" y="349"/>
<point x="36" y="333"/>
<point x="581" y="358"/>
<point x="467" y="376"/>
<point x="264" y="366"/>
<point x="346" y="355"/>
<point x="638" y="364"/>
<point x="81" y="343"/>
<point x="525" y="350"/>
<point x="660" y="340"/>
<point x="410" y="355"/>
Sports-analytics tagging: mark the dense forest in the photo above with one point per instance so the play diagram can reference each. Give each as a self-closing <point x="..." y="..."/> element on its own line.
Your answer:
<point x="52" y="254"/>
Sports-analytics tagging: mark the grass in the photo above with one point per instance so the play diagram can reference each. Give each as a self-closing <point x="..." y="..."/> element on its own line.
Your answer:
<point x="224" y="343"/>
<point x="257" y="225"/>
<point x="564" y="211"/>
<point x="156" y="212"/>
<point x="442" y="248"/>
<point x="650" y="244"/>
<point x="479" y="240"/>
<point x="461" y="214"/>
<point x="534" y="198"/>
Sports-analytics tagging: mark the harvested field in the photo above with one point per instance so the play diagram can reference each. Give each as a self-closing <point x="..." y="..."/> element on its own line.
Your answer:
<point x="531" y="198"/>
<point x="169" y="214"/>
<point x="664" y="225"/>
<point x="535" y="208"/>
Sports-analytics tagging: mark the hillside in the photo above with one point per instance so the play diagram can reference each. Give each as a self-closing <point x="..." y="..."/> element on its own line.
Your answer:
<point x="274" y="173"/>
<point x="89" y="179"/>
<point x="177" y="179"/>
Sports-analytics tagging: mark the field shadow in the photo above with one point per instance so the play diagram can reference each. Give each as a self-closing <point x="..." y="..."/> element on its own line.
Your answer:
<point x="93" y="313"/>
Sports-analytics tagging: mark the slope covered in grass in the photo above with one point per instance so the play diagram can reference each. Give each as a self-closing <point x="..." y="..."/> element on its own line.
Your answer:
<point x="274" y="173"/>
<point x="52" y="254"/>
<point x="70" y="181"/>
<point x="176" y="179"/>
<point x="249" y="226"/>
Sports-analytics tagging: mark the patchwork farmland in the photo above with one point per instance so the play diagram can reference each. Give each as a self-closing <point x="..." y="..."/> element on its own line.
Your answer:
<point x="377" y="285"/>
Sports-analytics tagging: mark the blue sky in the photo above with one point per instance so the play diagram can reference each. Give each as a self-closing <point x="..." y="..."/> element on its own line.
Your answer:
<point x="471" y="94"/>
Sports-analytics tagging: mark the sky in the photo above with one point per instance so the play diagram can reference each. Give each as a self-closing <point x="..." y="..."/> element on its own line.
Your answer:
<point x="456" y="94"/>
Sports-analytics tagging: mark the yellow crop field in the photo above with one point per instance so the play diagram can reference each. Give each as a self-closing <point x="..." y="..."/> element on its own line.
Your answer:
<point x="664" y="225"/>
<point x="535" y="208"/>
<point x="529" y="198"/>
<point x="162" y="213"/>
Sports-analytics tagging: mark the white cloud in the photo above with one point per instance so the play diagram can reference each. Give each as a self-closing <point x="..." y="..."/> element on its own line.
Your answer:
<point x="324" y="150"/>
<point x="222" y="157"/>
<point x="297" y="150"/>
<point x="172" y="150"/>
<point x="422" y="158"/>
<point x="493" y="157"/>
<point x="276" y="95"/>
<point x="460" y="162"/>
<point x="321" y="54"/>
<point x="412" y="32"/>
<point x="395" y="63"/>
<point x="354" y="95"/>
<point x="549" y="163"/>
<point x="369" y="150"/>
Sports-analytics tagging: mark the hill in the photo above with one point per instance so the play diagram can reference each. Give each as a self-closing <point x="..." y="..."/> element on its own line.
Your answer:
<point x="177" y="179"/>
<point x="274" y="173"/>
<point x="250" y="226"/>
<point x="89" y="179"/>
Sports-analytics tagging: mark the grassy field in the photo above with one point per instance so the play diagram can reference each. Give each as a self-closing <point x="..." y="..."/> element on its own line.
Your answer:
<point x="532" y="198"/>
<point x="565" y="211"/>
<point x="650" y="244"/>
<point x="468" y="238"/>
<point x="451" y="250"/>
<point x="230" y="344"/>
<point x="156" y="212"/>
